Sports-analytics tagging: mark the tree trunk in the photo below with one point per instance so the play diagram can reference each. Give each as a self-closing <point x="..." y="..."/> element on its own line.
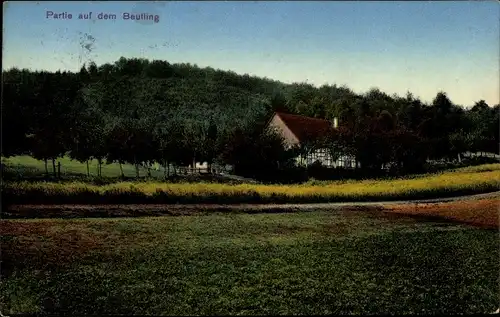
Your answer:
<point x="97" y="168"/>
<point x="121" y="169"/>
<point x="59" y="169"/>
<point x="165" y="167"/>
<point x="46" y="168"/>
<point x="149" y="170"/>
<point x="54" y="167"/>
<point x="88" y="170"/>
<point x="136" y="168"/>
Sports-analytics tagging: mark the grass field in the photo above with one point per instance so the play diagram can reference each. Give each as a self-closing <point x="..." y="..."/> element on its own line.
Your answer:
<point x="318" y="262"/>
<point x="478" y="179"/>
<point x="25" y="165"/>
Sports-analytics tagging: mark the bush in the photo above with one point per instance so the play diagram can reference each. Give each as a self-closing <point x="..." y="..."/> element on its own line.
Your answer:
<point x="320" y="172"/>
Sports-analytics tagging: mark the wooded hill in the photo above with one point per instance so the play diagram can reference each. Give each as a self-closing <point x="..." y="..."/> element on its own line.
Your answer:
<point x="139" y="111"/>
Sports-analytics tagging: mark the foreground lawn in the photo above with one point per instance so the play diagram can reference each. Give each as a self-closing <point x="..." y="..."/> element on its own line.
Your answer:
<point x="303" y="263"/>
<point x="479" y="179"/>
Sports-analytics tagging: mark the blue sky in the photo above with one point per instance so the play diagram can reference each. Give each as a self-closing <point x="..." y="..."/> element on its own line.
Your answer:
<point x="422" y="47"/>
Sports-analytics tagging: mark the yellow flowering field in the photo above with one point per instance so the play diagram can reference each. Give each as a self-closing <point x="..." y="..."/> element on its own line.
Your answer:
<point x="484" y="178"/>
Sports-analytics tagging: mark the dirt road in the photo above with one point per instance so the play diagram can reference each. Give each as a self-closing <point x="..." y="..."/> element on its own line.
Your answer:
<point x="482" y="209"/>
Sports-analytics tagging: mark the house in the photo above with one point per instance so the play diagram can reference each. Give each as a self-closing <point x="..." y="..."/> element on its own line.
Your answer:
<point x="300" y="130"/>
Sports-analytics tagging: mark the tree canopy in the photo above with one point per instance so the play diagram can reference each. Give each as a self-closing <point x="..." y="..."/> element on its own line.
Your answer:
<point x="140" y="112"/>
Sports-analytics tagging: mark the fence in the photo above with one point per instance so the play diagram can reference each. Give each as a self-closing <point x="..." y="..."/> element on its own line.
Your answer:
<point x="481" y="154"/>
<point x="180" y="170"/>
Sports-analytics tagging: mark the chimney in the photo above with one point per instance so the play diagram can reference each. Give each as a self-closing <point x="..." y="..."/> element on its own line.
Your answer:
<point x="335" y="123"/>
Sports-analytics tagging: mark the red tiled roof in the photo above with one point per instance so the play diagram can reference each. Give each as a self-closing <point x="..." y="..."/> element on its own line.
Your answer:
<point x="305" y="128"/>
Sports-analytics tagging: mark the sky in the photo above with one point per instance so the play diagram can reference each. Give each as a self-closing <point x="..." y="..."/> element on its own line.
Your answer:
<point x="419" y="46"/>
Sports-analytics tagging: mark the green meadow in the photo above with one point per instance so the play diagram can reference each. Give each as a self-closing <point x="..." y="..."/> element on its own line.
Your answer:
<point x="319" y="262"/>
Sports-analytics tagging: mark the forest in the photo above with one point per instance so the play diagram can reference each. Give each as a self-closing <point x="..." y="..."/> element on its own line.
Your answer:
<point x="142" y="112"/>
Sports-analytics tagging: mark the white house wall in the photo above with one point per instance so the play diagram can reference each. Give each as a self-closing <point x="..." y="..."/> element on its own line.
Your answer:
<point x="324" y="157"/>
<point x="278" y="125"/>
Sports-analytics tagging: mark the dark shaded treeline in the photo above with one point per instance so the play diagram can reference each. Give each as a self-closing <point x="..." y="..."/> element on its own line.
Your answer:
<point x="140" y="112"/>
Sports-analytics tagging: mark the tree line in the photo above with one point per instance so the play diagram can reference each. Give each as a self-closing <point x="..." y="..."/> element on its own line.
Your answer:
<point x="143" y="112"/>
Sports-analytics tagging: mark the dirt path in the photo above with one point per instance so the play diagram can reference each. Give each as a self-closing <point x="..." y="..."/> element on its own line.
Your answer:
<point x="249" y="206"/>
<point x="480" y="209"/>
<point x="478" y="212"/>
